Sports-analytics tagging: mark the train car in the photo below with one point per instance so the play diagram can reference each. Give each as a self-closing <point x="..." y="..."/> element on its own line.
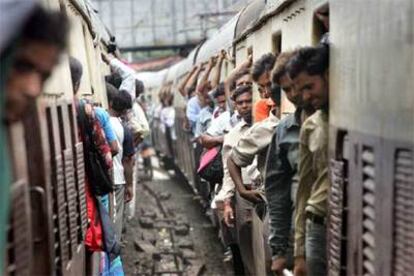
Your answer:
<point x="372" y="138"/>
<point x="48" y="210"/>
<point x="371" y="217"/>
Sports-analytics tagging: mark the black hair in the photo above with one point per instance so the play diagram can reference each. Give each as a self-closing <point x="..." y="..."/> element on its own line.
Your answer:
<point x="114" y="79"/>
<point x="121" y="101"/>
<point x="312" y="60"/>
<point x="275" y="92"/>
<point x="50" y="27"/>
<point x="139" y="88"/>
<point x="240" y="91"/>
<point x="238" y="75"/>
<point x="219" y="91"/>
<point x="111" y="92"/>
<point x="76" y="71"/>
<point x="263" y="64"/>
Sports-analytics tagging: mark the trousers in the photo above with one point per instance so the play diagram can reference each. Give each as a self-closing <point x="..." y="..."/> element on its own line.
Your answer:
<point x="119" y="206"/>
<point x="251" y="237"/>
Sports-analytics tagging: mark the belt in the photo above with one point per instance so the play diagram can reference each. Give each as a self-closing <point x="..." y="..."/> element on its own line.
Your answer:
<point x="315" y="218"/>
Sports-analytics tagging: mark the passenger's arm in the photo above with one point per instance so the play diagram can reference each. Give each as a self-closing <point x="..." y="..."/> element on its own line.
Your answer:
<point x="230" y="79"/>
<point x="206" y="73"/>
<point x="127" y="73"/>
<point x="128" y="163"/>
<point x="181" y="87"/>
<point x="278" y="186"/>
<point x="114" y="147"/>
<point x="217" y="70"/>
<point x="302" y="195"/>
<point x="209" y="142"/>
<point x="193" y="79"/>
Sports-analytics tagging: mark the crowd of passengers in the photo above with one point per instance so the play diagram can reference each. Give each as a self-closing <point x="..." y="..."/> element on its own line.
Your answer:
<point x="33" y="41"/>
<point x="268" y="171"/>
<point x="271" y="199"/>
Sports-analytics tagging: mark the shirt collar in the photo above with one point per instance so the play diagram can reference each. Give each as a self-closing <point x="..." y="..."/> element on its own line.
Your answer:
<point x="294" y="118"/>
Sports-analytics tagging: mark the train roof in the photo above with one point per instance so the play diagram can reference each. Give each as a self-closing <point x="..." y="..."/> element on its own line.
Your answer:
<point x="152" y="79"/>
<point x="260" y="16"/>
<point x="249" y="16"/>
<point x="91" y="16"/>
<point x="222" y="39"/>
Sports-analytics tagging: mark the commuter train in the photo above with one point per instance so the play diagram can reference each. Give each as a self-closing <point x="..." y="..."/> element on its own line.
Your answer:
<point x="47" y="209"/>
<point x="371" y="203"/>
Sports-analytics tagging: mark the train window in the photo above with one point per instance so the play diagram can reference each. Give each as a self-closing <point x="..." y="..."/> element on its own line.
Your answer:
<point x="320" y="25"/>
<point x="277" y="43"/>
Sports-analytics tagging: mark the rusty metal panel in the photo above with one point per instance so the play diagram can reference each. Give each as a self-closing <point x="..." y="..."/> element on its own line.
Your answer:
<point x="59" y="186"/>
<point x="403" y="248"/>
<point x="80" y="173"/>
<point x="71" y="197"/>
<point x="336" y="225"/>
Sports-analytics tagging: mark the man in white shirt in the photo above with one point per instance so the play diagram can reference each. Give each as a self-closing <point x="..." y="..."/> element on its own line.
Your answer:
<point x="123" y="162"/>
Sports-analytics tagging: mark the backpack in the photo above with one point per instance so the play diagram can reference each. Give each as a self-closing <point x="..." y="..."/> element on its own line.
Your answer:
<point x="95" y="166"/>
<point x="211" y="165"/>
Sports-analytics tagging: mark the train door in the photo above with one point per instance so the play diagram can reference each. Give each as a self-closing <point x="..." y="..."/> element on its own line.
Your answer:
<point x="74" y="211"/>
<point x="19" y="253"/>
<point x="41" y="197"/>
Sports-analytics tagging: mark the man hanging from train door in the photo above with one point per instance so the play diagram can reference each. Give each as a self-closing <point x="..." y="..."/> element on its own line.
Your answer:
<point x="119" y="102"/>
<point x="281" y="169"/>
<point x="261" y="76"/>
<point x="31" y="41"/>
<point x="251" y="149"/>
<point x="309" y="71"/>
<point x="239" y="218"/>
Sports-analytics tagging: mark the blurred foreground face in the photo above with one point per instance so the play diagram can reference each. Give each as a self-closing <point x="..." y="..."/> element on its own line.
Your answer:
<point x="32" y="65"/>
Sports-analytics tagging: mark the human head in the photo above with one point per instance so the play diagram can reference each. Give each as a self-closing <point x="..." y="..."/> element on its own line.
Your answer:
<point x="38" y="47"/>
<point x="115" y="79"/>
<point x="206" y="100"/>
<point x="120" y="102"/>
<point x="261" y="73"/>
<point x="139" y="88"/>
<point x="281" y="78"/>
<point x="220" y="97"/>
<point x="111" y="92"/>
<point x="275" y="92"/>
<point x="243" y="78"/>
<point x="242" y="98"/>
<point x="76" y="71"/>
<point x="309" y="71"/>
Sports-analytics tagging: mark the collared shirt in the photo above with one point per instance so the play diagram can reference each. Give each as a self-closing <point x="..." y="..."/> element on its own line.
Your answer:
<point x="119" y="177"/>
<point x="281" y="180"/>
<point x="204" y="120"/>
<point x="127" y="74"/>
<point x="168" y="121"/>
<point x="314" y="182"/>
<point x="230" y="140"/>
<point x="223" y="123"/>
<point x="254" y="143"/>
<point x="193" y="110"/>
